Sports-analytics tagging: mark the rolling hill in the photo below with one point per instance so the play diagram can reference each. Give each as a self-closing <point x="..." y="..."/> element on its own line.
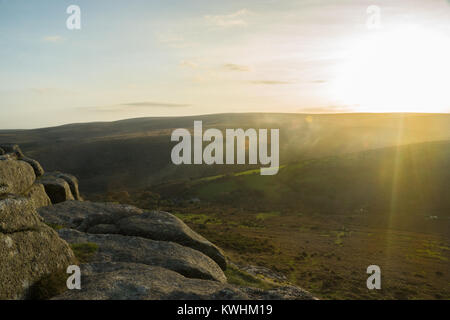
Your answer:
<point x="135" y="153"/>
<point x="407" y="180"/>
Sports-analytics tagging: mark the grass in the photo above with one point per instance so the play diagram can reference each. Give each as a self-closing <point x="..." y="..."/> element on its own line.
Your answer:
<point x="55" y="226"/>
<point x="55" y="283"/>
<point x="328" y="254"/>
<point x="339" y="237"/>
<point x="266" y="215"/>
<point x="49" y="286"/>
<point x="201" y="219"/>
<point x="241" y="278"/>
<point x="84" y="251"/>
<point x="431" y="254"/>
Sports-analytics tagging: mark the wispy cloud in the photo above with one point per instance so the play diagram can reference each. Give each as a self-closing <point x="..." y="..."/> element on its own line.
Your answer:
<point x="229" y="20"/>
<point x="189" y="64"/>
<point x="172" y="40"/>
<point x="236" y="67"/>
<point x="134" y="106"/>
<point x="50" y="91"/>
<point x="270" y="82"/>
<point x="151" y="104"/>
<point x="54" y="38"/>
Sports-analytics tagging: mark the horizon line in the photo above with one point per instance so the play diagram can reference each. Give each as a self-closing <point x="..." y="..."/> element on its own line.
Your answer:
<point x="233" y="113"/>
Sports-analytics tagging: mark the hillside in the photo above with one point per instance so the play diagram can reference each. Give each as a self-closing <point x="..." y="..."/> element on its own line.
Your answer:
<point x="353" y="190"/>
<point x="321" y="222"/>
<point x="135" y="153"/>
<point x="406" y="180"/>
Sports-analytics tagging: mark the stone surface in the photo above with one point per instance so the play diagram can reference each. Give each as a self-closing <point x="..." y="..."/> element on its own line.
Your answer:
<point x="12" y="148"/>
<point x="38" y="196"/>
<point x="73" y="184"/>
<point x="103" y="228"/>
<point x="27" y="256"/>
<point x="164" y="226"/>
<point x="29" y="249"/>
<point x="38" y="170"/>
<point x="18" y="214"/>
<point x="117" y="248"/>
<point x="133" y="281"/>
<point x="57" y="189"/>
<point x="130" y="221"/>
<point x="16" y="176"/>
<point x="82" y="215"/>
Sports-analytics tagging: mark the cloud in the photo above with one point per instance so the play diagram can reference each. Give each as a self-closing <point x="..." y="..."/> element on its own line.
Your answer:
<point x="270" y="82"/>
<point x="150" y="104"/>
<point x="134" y="106"/>
<point x="188" y="64"/>
<point x="236" y="67"/>
<point x="51" y="91"/>
<point x="330" y="109"/>
<point x="228" y="20"/>
<point x="172" y="40"/>
<point x="53" y="39"/>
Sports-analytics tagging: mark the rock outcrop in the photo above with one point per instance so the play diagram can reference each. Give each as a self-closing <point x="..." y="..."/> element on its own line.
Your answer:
<point x="135" y="254"/>
<point x="16" y="176"/>
<point x="169" y="255"/>
<point x="38" y="195"/>
<point x="134" y="281"/>
<point x="29" y="249"/>
<point x="60" y="187"/>
<point x="127" y="220"/>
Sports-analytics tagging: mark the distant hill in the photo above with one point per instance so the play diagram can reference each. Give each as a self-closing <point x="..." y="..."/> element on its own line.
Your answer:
<point x="135" y="153"/>
<point x="394" y="181"/>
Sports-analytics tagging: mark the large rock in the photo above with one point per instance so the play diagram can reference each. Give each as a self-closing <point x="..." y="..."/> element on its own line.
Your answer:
<point x="158" y="225"/>
<point x="38" y="196"/>
<point x="57" y="189"/>
<point x="18" y="214"/>
<point x="27" y="257"/>
<point x="29" y="249"/>
<point x="117" y="248"/>
<point x="16" y="176"/>
<point x="133" y="281"/>
<point x="12" y="148"/>
<point x="128" y="220"/>
<point x="84" y="215"/>
<point x="38" y="170"/>
<point x="72" y="181"/>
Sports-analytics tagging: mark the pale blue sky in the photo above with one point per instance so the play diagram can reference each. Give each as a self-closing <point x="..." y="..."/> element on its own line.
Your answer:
<point x="156" y="58"/>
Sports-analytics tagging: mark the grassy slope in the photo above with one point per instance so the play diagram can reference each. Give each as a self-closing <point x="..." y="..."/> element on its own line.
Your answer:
<point x="136" y="153"/>
<point x="408" y="180"/>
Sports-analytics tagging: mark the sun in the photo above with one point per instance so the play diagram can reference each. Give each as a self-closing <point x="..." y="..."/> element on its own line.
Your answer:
<point x="402" y="70"/>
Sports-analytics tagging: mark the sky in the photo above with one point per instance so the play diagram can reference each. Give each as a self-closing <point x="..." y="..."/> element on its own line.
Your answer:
<point x="141" y="58"/>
